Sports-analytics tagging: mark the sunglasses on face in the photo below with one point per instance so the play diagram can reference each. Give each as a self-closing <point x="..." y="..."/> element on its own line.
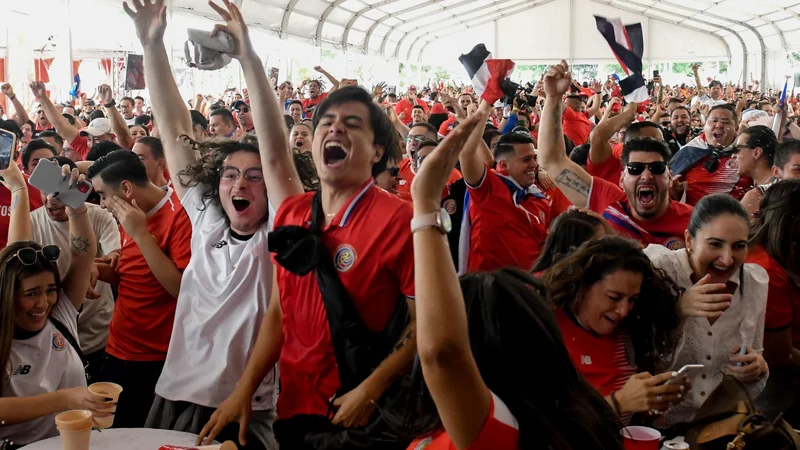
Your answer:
<point x="656" y="167"/>
<point x="243" y="110"/>
<point x="416" y="139"/>
<point x="29" y="255"/>
<point x="393" y="171"/>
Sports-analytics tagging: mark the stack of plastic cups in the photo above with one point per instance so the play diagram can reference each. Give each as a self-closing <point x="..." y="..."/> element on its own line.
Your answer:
<point x="75" y="428"/>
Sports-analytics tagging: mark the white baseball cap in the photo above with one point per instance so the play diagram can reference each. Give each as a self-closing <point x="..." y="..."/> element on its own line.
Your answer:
<point x="97" y="127"/>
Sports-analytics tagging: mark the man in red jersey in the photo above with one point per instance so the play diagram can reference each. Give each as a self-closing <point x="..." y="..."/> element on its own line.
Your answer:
<point x="407" y="104"/>
<point x="639" y="207"/>
<point x="315" y="94"/>
<point x="506" y="214"/>
<point x="417" y="134"/>
<point x="156" y="236"/>
<point x="706" y="163"/>
<point x="575" y="123"/>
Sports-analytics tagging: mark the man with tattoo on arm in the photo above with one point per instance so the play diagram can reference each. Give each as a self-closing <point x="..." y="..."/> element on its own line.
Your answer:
<point x="639" y="207"/>
<point x="156" y="235"/>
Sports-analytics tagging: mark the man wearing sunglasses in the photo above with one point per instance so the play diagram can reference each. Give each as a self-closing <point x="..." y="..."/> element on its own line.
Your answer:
<point x="242" y="112"/>
<point x="417" y="134"/>
<point x="389" y="180"/>
<point x="639" y="206"/>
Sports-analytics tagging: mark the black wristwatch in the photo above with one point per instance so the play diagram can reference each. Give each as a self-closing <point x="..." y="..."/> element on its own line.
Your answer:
<point x="110" y="104"/>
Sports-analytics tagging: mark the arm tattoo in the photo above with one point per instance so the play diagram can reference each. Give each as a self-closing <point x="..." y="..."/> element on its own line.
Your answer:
<point x="80" y="244"/>
<point x="409" y="334"/>
<point x="571" y="180"/>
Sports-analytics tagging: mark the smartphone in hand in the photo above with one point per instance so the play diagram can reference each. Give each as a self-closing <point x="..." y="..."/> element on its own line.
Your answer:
<point x="8" y="143"/>
<point x="47" y="178"/>
<point x="686" y="371"/>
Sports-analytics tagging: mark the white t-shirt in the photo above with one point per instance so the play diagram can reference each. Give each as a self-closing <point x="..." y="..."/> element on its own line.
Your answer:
<point x="222" y="302"/>
<point x="95" y="316"/>
<point x="41" y="364"/>
<point x="705" y="99"/>
<point x="129" y="122"/>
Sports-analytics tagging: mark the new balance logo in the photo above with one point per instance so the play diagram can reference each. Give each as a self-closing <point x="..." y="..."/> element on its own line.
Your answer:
<point x="22" y="370"/>
<point x="220" y="244"/>
<point x="586" y="360"/>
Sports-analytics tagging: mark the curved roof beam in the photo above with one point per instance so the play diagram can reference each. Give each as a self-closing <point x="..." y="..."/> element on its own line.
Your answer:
<point x="285" y="20"/>
<point x="494" y="15"/>
<point x="401" y="12"/>
<point x="361" y="12"/>
<point x="456" y="16"/>
<point x="324" y="18"/>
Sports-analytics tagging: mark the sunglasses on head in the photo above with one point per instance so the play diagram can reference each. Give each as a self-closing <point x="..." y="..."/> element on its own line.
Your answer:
<point x="393" y="171"/>
<point x="29" y="255"/>
<point x="656" y="167"/>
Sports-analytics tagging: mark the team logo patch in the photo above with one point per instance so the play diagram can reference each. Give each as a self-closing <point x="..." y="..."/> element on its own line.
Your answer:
<point x="424" y="443"/>
<point x="59" y="344"/>
<point x="542" y="216"/>
<point x="733" y="163"/>
<point x="674" y="244"/>
<point x="344" y="258"/>
<point x="450" y="206"/>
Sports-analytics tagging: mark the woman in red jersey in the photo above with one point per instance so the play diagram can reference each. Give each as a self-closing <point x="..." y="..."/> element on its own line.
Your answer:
<point x="487" y="393"/>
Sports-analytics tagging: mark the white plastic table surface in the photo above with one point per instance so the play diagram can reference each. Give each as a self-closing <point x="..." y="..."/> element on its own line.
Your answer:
<point x="125" y="439"/>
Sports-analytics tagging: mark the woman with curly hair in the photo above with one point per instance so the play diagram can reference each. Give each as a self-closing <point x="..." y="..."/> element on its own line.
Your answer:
<point x="618" y="315"/>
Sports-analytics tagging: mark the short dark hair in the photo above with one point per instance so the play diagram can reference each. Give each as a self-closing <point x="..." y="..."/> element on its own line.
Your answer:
<point x="680" y="107"/>
<point x="714" y="83"/>
<point x="418" y="107"/>
<point x="128" y="99"/>
<point x="198" y="119"/>
<point x="785" y="151"/>
<point x="138" y="97"/>
<point x="118" y="166"/>
<point x="226" y="115"/>
<point x="727" y="107"/>
<point x="63" y="160"/>
<point x="69" y="118"/>
<point x="143" y="120"/>
<point x="764" y="103"/>
<point x="751" y="103"/>
<point x="645" y="145"/>
<point x="575" y="97"/>
<point x="634" y="130"/>
<point x="154" y="144"/>
<point x="428" y="127"/>
<point x="295" y="102"/>
<point x="96" y="114"/>
<point x="505" y="145"/>
<point x="10" y="125"/>
<point x="51" y="133"/>
<point x="712" y="206"/>
<point x="33" y="145"/>
<point x="580" y="154"/>
<point x="101" y="149"/>
<point x="382" y="128"/>
<point x="762" y="136"/>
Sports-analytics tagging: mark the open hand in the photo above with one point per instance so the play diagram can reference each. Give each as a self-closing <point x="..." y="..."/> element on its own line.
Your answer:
<point x="236" y="408"/>
<point x="149" y="19"/>
<point x="704" y="299"/>
<point x="235" y="27"/>
<point x="130" y="216"/>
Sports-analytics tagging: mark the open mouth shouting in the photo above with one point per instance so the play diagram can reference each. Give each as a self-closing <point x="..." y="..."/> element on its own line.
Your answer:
<point x="240" y="204"/>
<point x="646" y="195"/>
<point x="334" y="154"/>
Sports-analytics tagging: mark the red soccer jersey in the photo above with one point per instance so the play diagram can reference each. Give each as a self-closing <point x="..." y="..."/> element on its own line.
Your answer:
<point x="500" y="431"/>
<point x="310" y="104"/>
<point x="576" y="126"/>
<point x="616" y="150"/>
<point x="668" y="230"/>
<point x="81" y="145"/>
<point x="724" y="180"/>
<point x="609" y="170"/>
<point x="404" y="189"/>
<point x="144" y="312"/>
<point x="504" y="233"/>
<point x="447" y="126"/>
<point x="34" y="200"/>
<point x="602" y="360"/>
<point x="783" y="298"/>
<point x="370" y="242"/>
<point x="405" y="106"/>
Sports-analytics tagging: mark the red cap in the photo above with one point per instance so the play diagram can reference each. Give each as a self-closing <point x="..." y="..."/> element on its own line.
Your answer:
<point x="412" y="87"/>
<point x="438" y="109"/>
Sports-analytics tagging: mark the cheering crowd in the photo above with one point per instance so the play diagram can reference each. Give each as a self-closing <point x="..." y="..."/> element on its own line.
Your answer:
<point x="349" y="268"/>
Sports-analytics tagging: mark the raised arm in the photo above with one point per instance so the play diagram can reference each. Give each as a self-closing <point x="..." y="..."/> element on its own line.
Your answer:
<point x="22" y="115"/>
<point x="83" y="247"/>
<point x="331" y="78"/>
<point x="574" y="182"/>
<point x="473" y="157"/>
<point x="62" y="126"/>
<point x="19" y="222"/>
<point x="597" y="100"/>
<point x="600" y="148"/>
<point x="150" y="20"/>
<point x="273" y="143"/>
<point x="700" y="88"/>
<point x="461" y="396"/>
<point x="118" y="125"/>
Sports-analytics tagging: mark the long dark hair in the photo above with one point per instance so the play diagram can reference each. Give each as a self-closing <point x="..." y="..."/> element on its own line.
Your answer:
<point x="567" y="232"/>
<point x="653" y="318"/>
<point x="12" y="272"/>
<point x="521" y="356"/>
<point x="777" y="226"/>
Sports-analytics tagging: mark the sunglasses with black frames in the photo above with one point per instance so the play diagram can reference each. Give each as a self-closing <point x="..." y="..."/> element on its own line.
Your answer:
<point x="29" y="255"/>
<point x="656" y="167"/>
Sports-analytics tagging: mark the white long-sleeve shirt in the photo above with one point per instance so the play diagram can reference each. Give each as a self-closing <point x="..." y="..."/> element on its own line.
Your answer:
<point x="711" y="345"/>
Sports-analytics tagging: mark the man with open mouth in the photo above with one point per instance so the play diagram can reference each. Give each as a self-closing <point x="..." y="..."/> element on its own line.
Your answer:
<point x="639" y="206"/>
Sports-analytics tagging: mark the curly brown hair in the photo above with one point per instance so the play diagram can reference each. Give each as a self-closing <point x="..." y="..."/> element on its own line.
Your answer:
<point x="653" y="320"/>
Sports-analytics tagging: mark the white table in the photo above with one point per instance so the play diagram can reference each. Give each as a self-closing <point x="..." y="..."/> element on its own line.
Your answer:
<point x="125" y="439"/>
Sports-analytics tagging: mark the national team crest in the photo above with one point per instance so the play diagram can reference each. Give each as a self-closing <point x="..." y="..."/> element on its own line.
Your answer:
<point x="58" y="343"/>
<point x="450" y="206"/>
<point x="344" y="258"/>
<point x="674" y="244"/>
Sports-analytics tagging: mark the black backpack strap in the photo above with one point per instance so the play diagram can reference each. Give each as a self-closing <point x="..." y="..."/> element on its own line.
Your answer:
<point x="73" y="342"/>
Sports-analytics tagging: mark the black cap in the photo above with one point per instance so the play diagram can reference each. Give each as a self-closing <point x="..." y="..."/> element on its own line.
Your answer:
<point x="238" y="104"/>
<point x="142" y="120"/>
<point x="198" y="119"/>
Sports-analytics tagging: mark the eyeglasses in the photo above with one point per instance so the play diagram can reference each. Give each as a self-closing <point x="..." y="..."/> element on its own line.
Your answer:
<point x="656" y="167"/>
<point x="29" y="255"/>
<point x="416" y="139"/>
<point x="393" y="171"/>
<point x="231" y="174"/>
<point x="243" y="109"/>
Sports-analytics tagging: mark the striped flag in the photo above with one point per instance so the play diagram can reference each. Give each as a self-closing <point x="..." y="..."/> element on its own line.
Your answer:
<point x="489" y="76"/>
<point x="627" y="43"/>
